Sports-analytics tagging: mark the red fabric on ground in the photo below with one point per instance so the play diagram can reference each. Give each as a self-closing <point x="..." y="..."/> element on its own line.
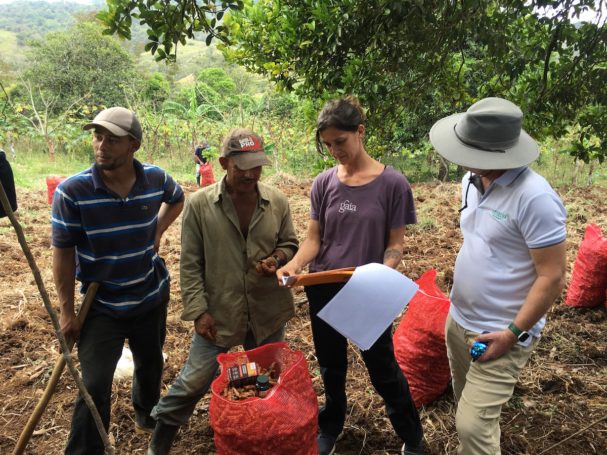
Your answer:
<point x="419" y="341"/>
<point x="284" y="422"/>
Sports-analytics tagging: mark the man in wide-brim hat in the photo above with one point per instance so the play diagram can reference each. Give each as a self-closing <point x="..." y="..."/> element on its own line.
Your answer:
<point x="511" y="266"/>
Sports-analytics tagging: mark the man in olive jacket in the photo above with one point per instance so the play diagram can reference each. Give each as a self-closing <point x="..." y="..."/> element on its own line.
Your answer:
<point x="235" y="234"/>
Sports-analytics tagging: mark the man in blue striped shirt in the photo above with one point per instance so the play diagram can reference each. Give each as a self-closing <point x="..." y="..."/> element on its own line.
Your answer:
<point x="107" y="222"/>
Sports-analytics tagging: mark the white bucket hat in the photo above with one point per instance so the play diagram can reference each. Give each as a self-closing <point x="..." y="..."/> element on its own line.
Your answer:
<point x="487" y="136"/>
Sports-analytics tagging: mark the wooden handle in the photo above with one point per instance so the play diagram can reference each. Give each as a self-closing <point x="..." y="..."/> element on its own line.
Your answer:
<point x="328" y="276"/>
<point x="27" y="432"/>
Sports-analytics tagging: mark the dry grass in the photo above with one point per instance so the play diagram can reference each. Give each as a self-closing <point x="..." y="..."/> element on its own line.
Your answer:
<point x="563" y="389"/>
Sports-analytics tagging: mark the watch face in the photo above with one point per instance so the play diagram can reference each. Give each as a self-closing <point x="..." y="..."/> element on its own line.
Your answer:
<point x="523" y="336"/>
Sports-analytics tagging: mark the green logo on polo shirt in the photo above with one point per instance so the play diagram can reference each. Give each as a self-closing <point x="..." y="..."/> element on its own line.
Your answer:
<point x="499" y="216"/>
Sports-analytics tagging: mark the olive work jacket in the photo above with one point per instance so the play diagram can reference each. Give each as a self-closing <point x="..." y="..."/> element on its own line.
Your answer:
<point x="217" y="268"/>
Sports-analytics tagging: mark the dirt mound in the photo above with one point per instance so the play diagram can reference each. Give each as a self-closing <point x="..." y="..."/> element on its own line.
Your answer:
<point x="561" y="391"/>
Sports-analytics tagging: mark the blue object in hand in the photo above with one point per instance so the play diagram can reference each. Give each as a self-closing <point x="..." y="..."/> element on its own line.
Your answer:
<point x="477" y="350"/>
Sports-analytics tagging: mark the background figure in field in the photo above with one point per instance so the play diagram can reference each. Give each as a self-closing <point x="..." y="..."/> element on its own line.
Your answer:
<point x="360" y="209"/>
<point x="8" y="183"/>
<point x="107" y="223"/>
<point x="235" y="234"/>
<point x="200" y="158"/>
<point x="511" y="266"/>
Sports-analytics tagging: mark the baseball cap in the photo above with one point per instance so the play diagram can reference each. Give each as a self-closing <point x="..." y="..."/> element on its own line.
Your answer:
<point x="245" y="148"/>
<point x="119" y="121"/>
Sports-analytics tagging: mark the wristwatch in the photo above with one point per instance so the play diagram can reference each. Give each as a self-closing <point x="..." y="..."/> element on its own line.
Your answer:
<point x="520" y="335"/>
<point x="278" y="260"/>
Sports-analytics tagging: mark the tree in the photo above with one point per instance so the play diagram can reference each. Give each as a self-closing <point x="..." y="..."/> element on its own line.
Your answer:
<point x="80" y="63"/>
<point x="169" y="22"/>
<point x="409" y="61"/>
<point x="38" y="110"/>
<point x="414" y="60"/>
<point x="156" y="89"/>
<point x="216" y="88"/>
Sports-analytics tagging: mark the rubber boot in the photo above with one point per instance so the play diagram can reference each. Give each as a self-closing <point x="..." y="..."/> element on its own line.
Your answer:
<point x="162" y="439"/>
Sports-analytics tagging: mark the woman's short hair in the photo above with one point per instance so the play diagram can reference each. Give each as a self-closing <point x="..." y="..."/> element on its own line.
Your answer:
<point x="343" y="113"/>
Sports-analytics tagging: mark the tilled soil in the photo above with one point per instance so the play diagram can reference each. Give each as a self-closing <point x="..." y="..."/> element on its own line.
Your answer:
<point x="559" y="400"/>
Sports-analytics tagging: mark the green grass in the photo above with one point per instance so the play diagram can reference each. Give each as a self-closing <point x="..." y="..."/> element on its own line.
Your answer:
<point x="8" y="44"/>
<point x="562" y="170"/>
<point x="31" y="168"/>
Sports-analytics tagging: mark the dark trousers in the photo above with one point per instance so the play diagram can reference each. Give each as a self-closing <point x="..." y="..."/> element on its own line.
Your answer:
<point x="99" y="349"/>
<point x="386" y="376"/>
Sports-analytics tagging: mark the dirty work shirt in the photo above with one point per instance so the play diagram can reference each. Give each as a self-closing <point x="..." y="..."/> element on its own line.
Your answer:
<point x="114" y="237"/>
<point x="494" y="270"/>
<point x="217" y="270"/>
<point x="355" y="221"/>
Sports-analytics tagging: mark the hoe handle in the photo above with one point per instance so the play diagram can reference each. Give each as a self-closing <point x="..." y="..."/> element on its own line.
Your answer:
<point x="27" y="432"/>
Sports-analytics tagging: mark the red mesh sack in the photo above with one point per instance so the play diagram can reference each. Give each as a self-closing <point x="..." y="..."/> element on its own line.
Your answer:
<point x="589" y="277"/>
<point x="419" y="341"/>
<point x="284" y="422"/>
<point x="206" y="174"/>
<point x="51" y="184"/>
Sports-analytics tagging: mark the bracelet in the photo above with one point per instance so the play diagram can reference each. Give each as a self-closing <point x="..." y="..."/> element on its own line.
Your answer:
<point x="278" y="260"/>
<point x="514" y="329"/>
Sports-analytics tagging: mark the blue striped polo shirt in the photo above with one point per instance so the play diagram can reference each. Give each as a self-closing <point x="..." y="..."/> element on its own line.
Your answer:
<point x="114" y="237"/>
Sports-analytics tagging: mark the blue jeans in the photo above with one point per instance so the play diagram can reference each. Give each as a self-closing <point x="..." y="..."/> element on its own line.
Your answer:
<point x="195" y="378"/>
<point x="99" y="349"/>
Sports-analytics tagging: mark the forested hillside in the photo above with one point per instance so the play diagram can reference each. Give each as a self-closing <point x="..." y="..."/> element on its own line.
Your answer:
<point x="32" y="20"/>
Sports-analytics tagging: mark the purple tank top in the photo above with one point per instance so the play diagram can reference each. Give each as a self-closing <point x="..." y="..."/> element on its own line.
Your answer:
<point x="355" y="221"/>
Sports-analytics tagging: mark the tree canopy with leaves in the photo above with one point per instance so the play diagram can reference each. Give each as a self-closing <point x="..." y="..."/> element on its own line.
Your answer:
<point x="169" y="23"/>
<point x="411" y="62"/>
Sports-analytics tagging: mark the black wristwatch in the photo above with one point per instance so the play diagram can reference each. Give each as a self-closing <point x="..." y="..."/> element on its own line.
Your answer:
<point x="520" y="335"/>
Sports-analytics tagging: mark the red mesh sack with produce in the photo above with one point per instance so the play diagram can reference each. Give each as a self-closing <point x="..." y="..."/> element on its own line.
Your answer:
<point x="419" y="341"/>
<point x="206" y="174"/>
<point x="283" y="422"/>
<point x="51" y="185"/>
<point x="589" y="277"/>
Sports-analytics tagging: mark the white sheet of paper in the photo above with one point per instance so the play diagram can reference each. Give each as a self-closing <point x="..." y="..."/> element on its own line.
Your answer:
<point x="288" y="280"/>
<point x="368" y="303"/>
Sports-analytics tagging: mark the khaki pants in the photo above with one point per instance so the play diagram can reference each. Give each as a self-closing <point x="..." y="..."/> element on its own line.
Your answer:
<point x="481" y="389"/>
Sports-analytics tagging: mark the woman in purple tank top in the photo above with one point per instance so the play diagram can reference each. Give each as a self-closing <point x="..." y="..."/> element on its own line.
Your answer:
<point x="359" y="210"/>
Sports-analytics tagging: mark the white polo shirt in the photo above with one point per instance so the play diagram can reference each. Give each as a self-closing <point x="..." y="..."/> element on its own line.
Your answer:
<point x="494" y="270"/>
